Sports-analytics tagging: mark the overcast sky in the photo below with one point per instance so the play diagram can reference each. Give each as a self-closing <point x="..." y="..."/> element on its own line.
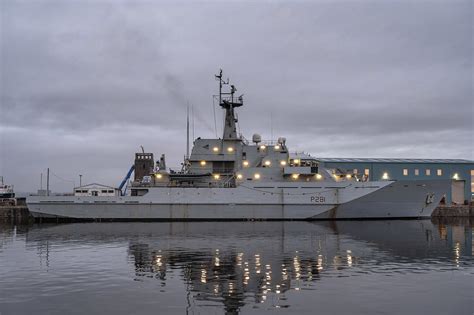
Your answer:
<point x="85" y="83"/>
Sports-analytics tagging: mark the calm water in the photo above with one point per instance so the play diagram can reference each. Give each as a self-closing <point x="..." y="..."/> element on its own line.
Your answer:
<point x="380" y="267"/>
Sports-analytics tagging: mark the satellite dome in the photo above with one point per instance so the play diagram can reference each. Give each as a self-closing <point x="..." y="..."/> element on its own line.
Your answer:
<point x="256" y="138"/>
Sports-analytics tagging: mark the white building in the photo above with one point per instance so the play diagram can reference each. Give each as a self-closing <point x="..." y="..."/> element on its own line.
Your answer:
<point x="95" y="189"/>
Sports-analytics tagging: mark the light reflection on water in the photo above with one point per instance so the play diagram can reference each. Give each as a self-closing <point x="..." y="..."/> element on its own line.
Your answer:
<point x="247" y="267"/>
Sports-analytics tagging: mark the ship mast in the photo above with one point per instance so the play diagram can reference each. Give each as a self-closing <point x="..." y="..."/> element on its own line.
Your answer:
<point x="227" y="101"/>
<point x="187" y="133"/>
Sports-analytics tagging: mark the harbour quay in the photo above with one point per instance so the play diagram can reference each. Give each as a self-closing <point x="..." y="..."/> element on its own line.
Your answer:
<point x="18" y="213"/>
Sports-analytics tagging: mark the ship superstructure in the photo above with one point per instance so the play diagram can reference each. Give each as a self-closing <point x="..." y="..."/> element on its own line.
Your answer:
<point x="7" y="194"/>
<point x="231" y="178"/>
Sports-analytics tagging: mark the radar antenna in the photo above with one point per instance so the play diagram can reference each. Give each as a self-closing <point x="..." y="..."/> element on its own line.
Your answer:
<point x="227" y="102"/>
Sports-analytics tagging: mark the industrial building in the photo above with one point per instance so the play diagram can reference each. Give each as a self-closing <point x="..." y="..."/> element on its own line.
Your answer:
<point x="460" y="171"/>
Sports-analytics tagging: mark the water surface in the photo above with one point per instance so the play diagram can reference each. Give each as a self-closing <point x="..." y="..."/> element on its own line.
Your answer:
<point x="346" y="267"/>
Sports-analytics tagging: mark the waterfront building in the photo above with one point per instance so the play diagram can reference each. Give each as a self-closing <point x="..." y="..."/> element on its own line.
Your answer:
<point x="95" y="189"/>
<point x="460" y="171"/>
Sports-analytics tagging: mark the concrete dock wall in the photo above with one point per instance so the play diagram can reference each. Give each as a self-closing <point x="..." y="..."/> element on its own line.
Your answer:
<point x="18" y="214"/>
<point x="454" y="211"/>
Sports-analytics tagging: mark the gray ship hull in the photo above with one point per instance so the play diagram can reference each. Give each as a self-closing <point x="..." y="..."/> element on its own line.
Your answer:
<point x="371" y="200"/>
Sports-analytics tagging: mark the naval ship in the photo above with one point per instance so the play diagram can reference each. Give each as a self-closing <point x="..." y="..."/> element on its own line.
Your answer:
<point x="232" y="178"/>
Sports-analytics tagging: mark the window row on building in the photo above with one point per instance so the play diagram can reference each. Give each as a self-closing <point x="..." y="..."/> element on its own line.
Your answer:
<point x="104" y="191"/>
<point x="439" y="172"/>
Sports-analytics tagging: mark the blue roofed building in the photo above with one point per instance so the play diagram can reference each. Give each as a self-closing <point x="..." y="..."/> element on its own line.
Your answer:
<point x="459" y="171"/>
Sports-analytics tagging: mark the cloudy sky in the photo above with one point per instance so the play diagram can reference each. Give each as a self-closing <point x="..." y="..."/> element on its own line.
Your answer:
<point x="85" y="83"/>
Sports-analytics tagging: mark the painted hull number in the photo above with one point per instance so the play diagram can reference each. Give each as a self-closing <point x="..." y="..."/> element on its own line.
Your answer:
<point x="318" y="199"/>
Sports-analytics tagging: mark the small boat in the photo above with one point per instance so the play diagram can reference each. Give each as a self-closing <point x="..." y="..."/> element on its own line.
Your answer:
<point x="7" y="194"/>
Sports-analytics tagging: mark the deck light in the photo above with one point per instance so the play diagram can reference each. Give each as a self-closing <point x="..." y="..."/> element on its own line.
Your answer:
<point x="319" y="176"/>
<point x="262" y="147"/>
<point x="245" y="163"/>
<point x="348" y="176"/>
<point x="230" y="149"/>
<point x="159" y="176"/>
<point x="385" y="175"/>
<point x="215" y="149"/>
<point x="256" y="176"/>
<point x="267" y="163"/>
<point x="296" y="161"/>
<point x="456" y="176"/>
<point x="203" y="163"/>
<point x="217" y="176"/>
<point x="277" y="147"/>
<point x="295" y="176"/>
<point x="239" y="176"/>
<point x="283" y="163"/>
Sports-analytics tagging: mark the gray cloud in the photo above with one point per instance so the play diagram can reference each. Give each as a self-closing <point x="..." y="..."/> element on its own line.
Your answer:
<point x="83" y="84"/>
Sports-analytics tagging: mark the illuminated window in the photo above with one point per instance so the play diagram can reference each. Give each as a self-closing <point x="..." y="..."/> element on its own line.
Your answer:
<point x="355" y="171"/>
<point x="439" y="172"/>
<point x="417" y="172"/>
<point x="366" y="172"/>
<point x="428" y="172"/>
<point x="472" y="181"/>
<point x="405" y="172"/>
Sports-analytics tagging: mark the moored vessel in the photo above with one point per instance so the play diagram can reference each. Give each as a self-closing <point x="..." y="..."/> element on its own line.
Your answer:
<point x="7" y="194"/>
<point x="231" y="178"/>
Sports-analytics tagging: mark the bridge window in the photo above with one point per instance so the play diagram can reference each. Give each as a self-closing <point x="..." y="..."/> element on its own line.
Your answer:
<point x="417" y="172"/>
<point x="439" y="172"/>
<point x="223" y="167"/>
<point x="405" y="172"/>
<point x="428" y="172"/>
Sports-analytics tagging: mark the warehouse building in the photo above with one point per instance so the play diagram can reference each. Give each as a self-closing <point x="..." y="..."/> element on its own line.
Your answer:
<point x="461" y="172"/>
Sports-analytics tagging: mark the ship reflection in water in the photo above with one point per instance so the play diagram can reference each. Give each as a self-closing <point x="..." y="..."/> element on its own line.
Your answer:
<point x="248" y="267"/>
